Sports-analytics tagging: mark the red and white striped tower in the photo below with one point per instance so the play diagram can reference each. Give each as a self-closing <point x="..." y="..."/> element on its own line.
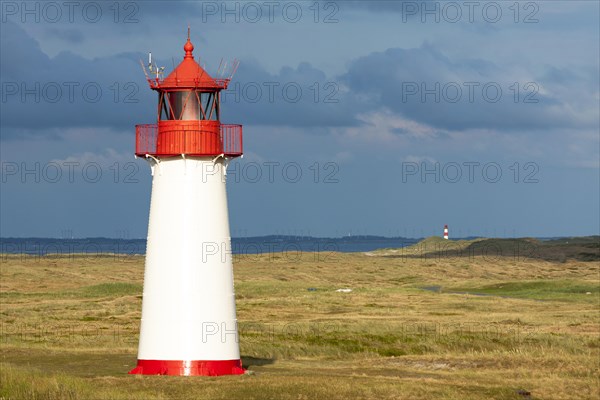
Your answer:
<point x="446" y="232"/>
<point x="188" y="324"/>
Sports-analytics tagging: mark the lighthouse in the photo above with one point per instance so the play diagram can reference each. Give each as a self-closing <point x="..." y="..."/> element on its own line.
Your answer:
<point x="446" y="232"/>
<point x="188" y="324"/>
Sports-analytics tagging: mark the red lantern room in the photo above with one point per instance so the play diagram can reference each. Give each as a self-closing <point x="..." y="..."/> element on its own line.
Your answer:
<point x="188" y="114"/>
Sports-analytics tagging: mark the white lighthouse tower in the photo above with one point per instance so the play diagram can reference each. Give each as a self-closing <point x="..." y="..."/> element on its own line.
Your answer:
<point x="188" y="324"/>
<point x="446" y="232"/>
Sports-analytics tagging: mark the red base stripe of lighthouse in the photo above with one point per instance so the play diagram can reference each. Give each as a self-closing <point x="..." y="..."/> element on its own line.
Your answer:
<point x="188" y="368"/>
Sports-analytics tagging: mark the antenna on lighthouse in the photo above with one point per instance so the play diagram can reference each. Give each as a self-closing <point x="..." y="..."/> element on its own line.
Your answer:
<point x="144" y="69"/>
<point x="152" y="68"/>
<point x="236" y="64"/>
<point x="227" y="70"/>
<point x="220" y="67"/>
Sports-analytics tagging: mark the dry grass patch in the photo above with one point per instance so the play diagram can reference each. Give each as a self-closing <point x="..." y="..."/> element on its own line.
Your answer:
<point x="492" y="327"/>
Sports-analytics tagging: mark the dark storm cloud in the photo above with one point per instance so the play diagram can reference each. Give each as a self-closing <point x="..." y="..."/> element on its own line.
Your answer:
<point x="301" y="96"/>
<point x="41" y="93"/>
<point x="426" y="86"/>
<point x="580" y="80"/>
<point x="378" y="5"/>
<point x="163" y="8"/>
<point x="72" y="36"/>
<point x="419" y="84"/>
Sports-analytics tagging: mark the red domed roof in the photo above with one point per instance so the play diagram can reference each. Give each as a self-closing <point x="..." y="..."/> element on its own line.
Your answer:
<point x="189" y="74"/>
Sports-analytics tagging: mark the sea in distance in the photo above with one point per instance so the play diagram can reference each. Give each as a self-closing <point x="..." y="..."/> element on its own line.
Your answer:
<point x="242" y="245"/>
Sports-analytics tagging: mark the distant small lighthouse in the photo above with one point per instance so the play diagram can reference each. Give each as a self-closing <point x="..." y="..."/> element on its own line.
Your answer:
<point x="189" y="324"/>
<point x="446" y="232"/>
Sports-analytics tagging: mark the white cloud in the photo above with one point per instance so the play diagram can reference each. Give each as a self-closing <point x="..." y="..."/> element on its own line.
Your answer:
<point x="419" y="159"/>
<point x="105" y="158"/>
<point x="385" y="127"/>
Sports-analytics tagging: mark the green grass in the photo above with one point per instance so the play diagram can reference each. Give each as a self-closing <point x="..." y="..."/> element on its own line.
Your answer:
<point x="112" y="289"/>
<point x="561" y="290"/>
<point x="99" y="290"/>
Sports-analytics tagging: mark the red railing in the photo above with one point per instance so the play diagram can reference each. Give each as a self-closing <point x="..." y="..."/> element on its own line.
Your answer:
<point x="233" y="141"/>
<point x="200" y="138"/>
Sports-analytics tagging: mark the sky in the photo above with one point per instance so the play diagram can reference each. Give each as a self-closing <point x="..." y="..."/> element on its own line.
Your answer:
<point x="387" y="118"/>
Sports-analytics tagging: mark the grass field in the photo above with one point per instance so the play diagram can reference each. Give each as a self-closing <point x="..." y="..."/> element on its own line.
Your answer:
<point x="420" y="323"/>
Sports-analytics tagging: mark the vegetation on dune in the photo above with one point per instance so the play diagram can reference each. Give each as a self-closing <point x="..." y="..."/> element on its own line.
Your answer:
<point x="564" y="290"/>
<point x="582" y="249"/>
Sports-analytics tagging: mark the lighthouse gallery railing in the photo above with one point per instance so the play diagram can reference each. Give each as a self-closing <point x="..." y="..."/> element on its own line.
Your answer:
<point x="205" y="141"/>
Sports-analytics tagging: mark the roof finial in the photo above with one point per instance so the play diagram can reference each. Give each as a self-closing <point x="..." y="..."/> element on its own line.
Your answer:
<point x="188" y="47"/>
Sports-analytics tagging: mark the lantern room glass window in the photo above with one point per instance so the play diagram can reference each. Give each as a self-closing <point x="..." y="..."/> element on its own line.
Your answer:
<point x="189" y="105"/>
